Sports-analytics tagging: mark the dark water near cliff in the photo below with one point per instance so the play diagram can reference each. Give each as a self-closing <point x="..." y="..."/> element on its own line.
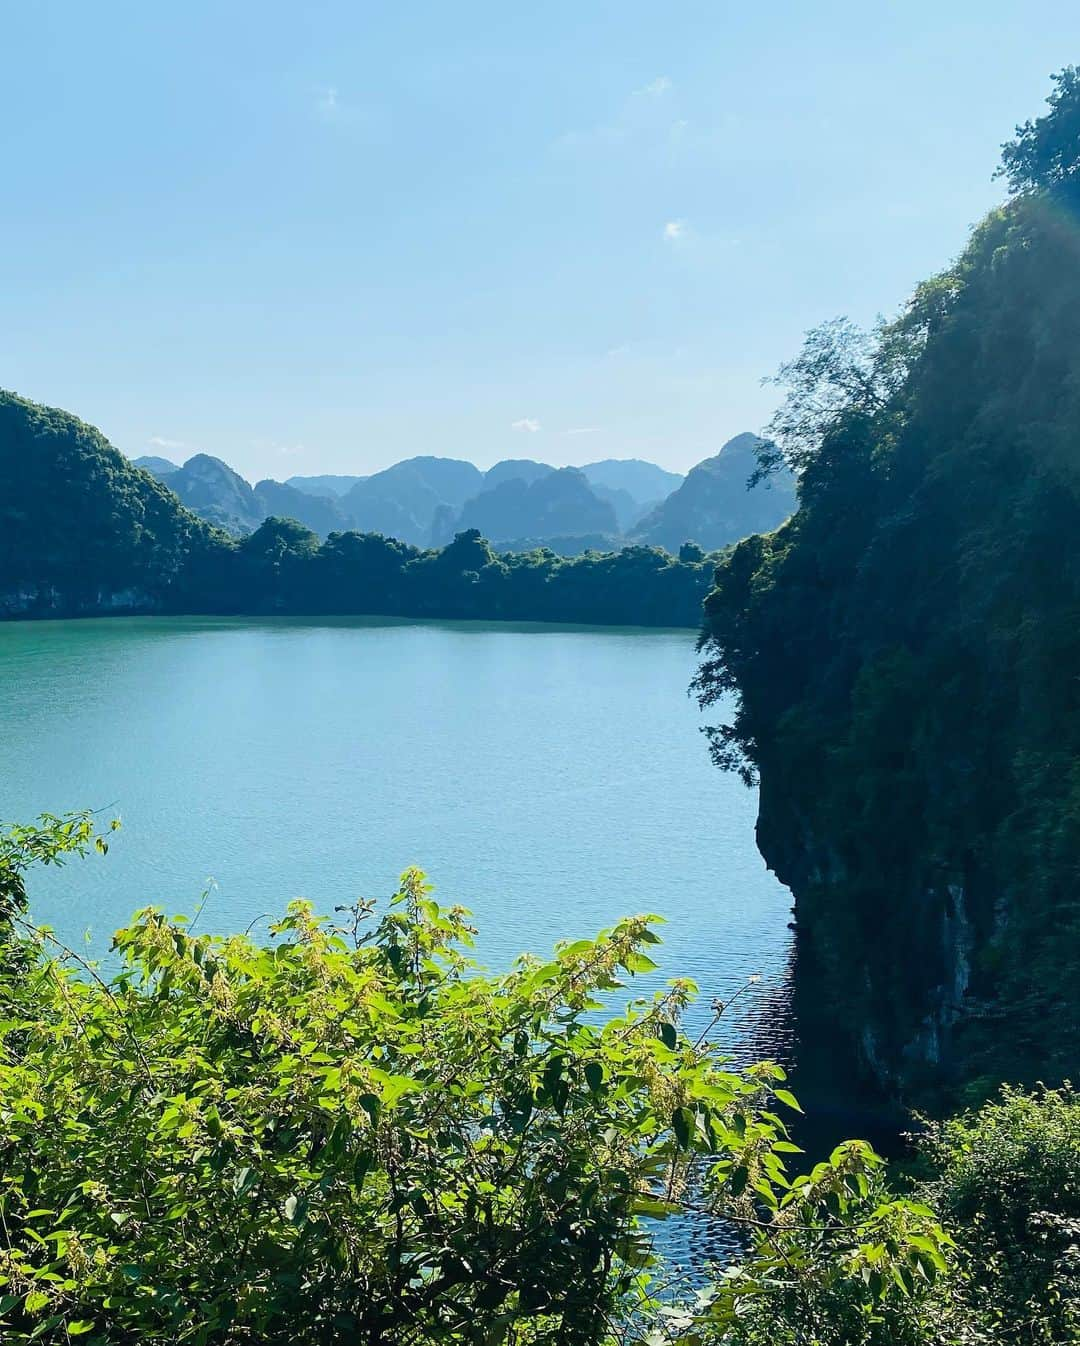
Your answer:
<point x="551" y="779"/>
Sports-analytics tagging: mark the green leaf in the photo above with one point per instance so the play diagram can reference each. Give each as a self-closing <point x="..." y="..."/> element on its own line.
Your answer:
<point x="361" y="1167"/>
<point x="371" y="1105"/>
<point x="682" y="1123"/>
<point x="242" y="1180"/>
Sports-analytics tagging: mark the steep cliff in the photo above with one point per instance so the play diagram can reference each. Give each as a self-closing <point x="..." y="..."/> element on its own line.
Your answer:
<point x="905" y="654"/>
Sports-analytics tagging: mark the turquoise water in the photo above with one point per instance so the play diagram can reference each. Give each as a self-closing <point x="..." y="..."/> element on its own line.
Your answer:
<point x="550" y="778"/>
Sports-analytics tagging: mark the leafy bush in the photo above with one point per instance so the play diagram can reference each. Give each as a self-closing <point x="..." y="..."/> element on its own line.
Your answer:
<point x="1007" y="1183"/>
<point x="352" y="1135"/>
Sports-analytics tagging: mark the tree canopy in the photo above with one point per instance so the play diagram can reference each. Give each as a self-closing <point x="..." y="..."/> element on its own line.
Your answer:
<point x="904" y="655"/>
<point x="86" y="532"/>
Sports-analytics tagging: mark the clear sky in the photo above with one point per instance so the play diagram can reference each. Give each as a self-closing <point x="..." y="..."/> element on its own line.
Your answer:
<point x="320" y="237"/>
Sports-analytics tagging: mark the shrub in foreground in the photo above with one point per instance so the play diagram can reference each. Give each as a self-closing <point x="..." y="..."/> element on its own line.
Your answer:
<point x="350" y="1134"/>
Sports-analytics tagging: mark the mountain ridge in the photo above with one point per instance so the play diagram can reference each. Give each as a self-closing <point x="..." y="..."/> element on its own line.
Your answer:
<point x="425" y="499"/>
<point x="715" y="506"/>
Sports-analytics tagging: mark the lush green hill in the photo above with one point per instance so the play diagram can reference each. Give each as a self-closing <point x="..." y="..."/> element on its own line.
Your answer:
<point x="81" y="528"/>
<point x="83" y="531"/>
<point x="906" y="652"/>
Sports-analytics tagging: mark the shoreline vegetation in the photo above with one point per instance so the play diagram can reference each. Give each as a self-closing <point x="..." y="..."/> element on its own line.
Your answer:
<point x="349" y="1133"/>
<point x="332" y="618"/>
<point x="83" y="532"/>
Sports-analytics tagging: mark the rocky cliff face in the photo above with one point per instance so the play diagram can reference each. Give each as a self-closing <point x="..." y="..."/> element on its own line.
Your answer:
<point x="905" y="655"/>
<point x="884" y="988"/>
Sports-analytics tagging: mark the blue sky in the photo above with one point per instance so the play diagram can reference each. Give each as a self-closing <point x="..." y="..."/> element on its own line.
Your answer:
<point x="322" y="237"/>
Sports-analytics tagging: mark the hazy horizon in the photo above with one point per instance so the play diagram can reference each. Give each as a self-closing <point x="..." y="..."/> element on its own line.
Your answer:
<point x="570" y="234"/>
<point x="316" y="471"/>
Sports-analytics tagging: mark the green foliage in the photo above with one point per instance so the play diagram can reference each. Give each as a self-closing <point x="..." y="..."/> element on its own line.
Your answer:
<point x="1045" y="156"/>
<point x="904" y="656"/>
<point x="50" y="841"/>
<point x="1007" y="1182"/>
<point x="351" y="1134"/>
<point x="83" y="531"/>
<point x="80" y="527"/>
<point x="837" y="1261"/>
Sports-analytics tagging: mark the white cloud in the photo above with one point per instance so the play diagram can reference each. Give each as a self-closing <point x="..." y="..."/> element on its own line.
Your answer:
<point x="674" y="230"/>
<point x="655" y="88"/>
<point x="159" y="442"/>
<point x="327" y="104"/>
<point x="527" y="423"/>
<point x="334" y="108"/>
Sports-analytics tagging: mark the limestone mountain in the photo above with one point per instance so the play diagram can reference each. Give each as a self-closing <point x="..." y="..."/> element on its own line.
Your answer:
<point x="326" y="484"/>
<point x="560" y="503"/>
<point x="645" y="482"/>
<point x="510" y="469"/>
<point x="628" y="510"/>
<point x="322" y="514"/>
<point x="213" y="491"/>
<point x="157" y="467"/>
<point x="402" y="501"/>
<point x="713" y="506"/>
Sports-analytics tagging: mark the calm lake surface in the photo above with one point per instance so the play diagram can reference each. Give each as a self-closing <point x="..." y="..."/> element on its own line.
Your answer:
<point x="552" y="779"/>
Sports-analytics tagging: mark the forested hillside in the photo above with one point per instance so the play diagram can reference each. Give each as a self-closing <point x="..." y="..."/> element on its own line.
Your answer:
<point x="85" y="532"/>
<point x="906" y="653"/>
<point x="81" y="529"/>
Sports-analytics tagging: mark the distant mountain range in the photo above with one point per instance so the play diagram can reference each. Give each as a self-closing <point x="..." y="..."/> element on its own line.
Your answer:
<point x="213" y="491"/>
<point x="424" y="501"/>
